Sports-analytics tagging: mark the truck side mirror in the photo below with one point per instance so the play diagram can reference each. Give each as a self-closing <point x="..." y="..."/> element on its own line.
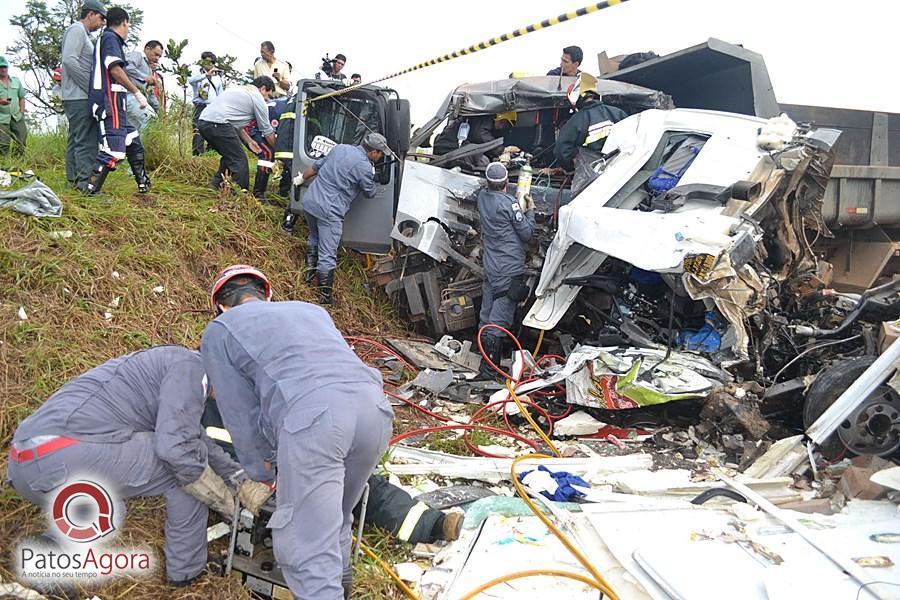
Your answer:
<point x="397" y="130"/>
<point x="383" y="169"/>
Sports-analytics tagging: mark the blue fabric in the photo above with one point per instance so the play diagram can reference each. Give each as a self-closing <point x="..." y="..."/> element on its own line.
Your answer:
<point x="705" y="339"/>
<point x="662" y="180"/>
<point x="565" y="492"/>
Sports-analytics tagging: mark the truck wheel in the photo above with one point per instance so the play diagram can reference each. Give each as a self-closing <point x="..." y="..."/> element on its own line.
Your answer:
<point x="872" y="428"/>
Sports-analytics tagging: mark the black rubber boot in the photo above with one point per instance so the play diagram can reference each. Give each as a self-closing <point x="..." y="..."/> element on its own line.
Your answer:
<point x="493" y="348"/>
<point x="260" y="183"/>
<point x="140" y="173"/>
<point x="288" y="222"/>
<point x="95" y="181"/>
<point x="312" y="259"/>
<point x="286" y="181"/>
<point x="326" y="286"/>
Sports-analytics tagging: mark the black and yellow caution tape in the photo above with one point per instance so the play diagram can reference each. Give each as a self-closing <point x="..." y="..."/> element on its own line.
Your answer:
<point x="586" y="10"/>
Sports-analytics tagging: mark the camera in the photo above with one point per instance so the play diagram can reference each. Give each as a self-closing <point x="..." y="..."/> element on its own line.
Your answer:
<point x="328" y="65"/>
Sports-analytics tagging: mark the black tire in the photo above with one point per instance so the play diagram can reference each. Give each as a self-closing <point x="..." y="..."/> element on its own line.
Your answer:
<point x="828" y="386"/>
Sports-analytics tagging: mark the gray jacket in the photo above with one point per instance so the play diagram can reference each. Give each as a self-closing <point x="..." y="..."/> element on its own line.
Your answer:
<point x="77" y="56"/>
<point x="160" y="390"/>
<point x="238" y="106"/>
<point x="505" y="233"/>
<point x="137" y="68"/>
<point x="340" y="176"/>
<point x="264" y="359"/>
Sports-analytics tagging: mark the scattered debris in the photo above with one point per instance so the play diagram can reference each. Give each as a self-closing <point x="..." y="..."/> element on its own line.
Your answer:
<point x="23" y="316"/>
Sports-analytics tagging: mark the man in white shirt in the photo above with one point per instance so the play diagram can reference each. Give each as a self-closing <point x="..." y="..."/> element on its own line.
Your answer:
<point x="269" y="66"/>
<point x="230" y="112"/>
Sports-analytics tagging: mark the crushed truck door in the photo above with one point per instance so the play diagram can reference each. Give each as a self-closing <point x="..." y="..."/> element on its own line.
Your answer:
<point x="346" y="119"/>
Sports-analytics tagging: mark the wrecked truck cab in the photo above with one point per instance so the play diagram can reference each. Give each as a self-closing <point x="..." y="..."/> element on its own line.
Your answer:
<point x="437" y="271"/>
<point x="727" y="216"/>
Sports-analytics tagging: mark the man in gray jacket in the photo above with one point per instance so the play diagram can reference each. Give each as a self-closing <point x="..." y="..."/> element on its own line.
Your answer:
<point x="506" y="229"/>
<point x="133" y="423"/>
<point x="140" y="71"/>
<point x="228" y="113"/>
<point x="77" y="56"/>
<point x="340" y="176"/>
<point x="287" y="381"/>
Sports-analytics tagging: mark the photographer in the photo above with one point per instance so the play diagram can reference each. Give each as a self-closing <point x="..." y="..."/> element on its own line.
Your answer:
<point x="206" y="84"/>
<point x="269" y="66"/>
<point x="332" y="67"/>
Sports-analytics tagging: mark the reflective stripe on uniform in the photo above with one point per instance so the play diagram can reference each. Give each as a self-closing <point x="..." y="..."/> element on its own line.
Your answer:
<point x="411" y="520"/>
<point x="219" y="433"/>
<point x="265" y="163"/>
<point x="284" y="155"/>
<point x="597" y="132"/>
<point x="287" y="115"/>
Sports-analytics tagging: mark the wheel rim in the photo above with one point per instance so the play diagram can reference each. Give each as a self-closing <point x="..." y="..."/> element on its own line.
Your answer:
<point x="874" y="427"/>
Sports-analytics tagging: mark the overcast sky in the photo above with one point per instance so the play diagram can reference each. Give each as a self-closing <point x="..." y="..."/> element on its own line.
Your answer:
<point x="824" y="52"/>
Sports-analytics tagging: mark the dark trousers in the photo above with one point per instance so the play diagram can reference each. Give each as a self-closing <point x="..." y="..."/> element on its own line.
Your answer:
<point x="198" y="144"/>
<point x="83" y="142"/>
<point x="13" y="136"/>
<point x="223" y="138"/>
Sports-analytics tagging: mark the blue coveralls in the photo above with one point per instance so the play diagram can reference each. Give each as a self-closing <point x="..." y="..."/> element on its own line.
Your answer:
<point x="505" y="232"/>
<point x="340" y="177"/>
<point x="118" y="137"/>
<point x="286" y="380"/>
<point x="137" y="422"/>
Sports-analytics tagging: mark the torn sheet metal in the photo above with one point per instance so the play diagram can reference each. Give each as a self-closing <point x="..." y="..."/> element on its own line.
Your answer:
<point x="699" y="553"/>
<point x="676" y="236"/>
<point x="617" y="378"/>
<point x="405" y="460"/>
<point x="523" y="542"/>
<point x="430" y="206"/>
<point x="737" y="293"/>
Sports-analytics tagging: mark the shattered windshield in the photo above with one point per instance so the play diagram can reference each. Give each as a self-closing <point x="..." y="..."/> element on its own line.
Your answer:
<point x="343" y="121"/>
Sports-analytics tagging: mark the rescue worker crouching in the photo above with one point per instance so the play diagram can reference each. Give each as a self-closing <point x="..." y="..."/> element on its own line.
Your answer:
<point x="506" y="229"/>
<point x="288" y="385"/>
<point x="582" y="137"/>
<point x="341" y="175"/>
<point x="134" y="424"/>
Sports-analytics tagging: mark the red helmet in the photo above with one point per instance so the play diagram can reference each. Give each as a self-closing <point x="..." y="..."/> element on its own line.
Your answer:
<point x="233" y="271"/>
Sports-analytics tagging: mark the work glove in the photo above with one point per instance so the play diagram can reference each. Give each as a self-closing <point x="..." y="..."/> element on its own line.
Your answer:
<point x="528" y="203"/>
<point x="142" y="100"/>
<point x="253" y="494"/>
<point x="211" y="490"/>
<point x="298" y="179"/>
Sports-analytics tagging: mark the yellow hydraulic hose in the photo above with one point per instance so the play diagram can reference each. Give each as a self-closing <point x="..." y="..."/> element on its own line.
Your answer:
<point x="532" y="573"/>
<point x="531" y="422"/>
<point x="537" y="347"/>
<point x="387" y="569"/>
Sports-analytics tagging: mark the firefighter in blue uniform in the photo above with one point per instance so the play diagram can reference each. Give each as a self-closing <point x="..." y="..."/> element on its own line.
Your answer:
<point x="109" y="89"/>
<point x="265" y="154"/>
<point x="506" y="229"/>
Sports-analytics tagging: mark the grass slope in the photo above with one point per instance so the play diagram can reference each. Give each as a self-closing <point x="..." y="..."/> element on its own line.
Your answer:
<point x="90" y="297"/>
